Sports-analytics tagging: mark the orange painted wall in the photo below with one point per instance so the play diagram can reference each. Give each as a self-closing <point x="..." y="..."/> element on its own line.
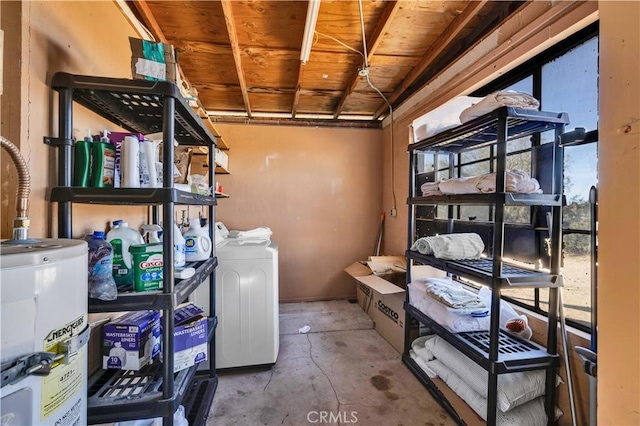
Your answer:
<point x="318" y="189"/>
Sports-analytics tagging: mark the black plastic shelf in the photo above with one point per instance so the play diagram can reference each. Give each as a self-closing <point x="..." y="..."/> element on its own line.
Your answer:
<point x="128" y="196"/>
<point x="481" y="271"/>
<point x="136" y="105"/>
<point x="197" y="402"/>
<point x="156" y="300"/>
<point x="514" y="354"/>
<point x="484" y="130"/>
<point x="119" y="395"/>
<point x="432" y="388"/>
<point x="507" y="198"/>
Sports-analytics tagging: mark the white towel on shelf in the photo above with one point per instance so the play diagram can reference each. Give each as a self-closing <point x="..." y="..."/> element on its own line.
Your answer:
<point x="423" y="246"/>
<point x="465" y="185"/>
<point x="496" y="100"/>
<point x="457" y="246"/>
<point x="451" y="294"/>
<point x="430" y="188"/>
<point x="515" y="181"/>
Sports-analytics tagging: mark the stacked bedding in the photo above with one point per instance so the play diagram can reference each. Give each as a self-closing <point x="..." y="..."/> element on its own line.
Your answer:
<point x="516" y="181"/>
<point x="450" y="246"/>
<point x="520" y="396"/>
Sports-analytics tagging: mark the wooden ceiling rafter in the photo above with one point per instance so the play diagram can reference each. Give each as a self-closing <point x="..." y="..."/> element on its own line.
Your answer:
<point x="296" y="96"/>
<point x="443" y="42"/>
<point x="227" y="9"/>
<point x="385" y="20"/>
<point x="150" y="20"/>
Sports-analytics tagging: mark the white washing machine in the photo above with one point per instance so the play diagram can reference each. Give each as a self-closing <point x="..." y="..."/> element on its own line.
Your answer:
<point x="246" y="300"/>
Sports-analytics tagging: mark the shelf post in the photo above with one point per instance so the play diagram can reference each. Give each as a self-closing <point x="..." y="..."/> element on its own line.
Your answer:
<point x="168" y="130"/>
<point x="212" y="276"/>
<point x="65" y="131"/>
<point x="411" y="235"/>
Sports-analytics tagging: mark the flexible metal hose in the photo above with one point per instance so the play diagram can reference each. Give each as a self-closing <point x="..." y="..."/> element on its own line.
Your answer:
<point x="24" y="180"/>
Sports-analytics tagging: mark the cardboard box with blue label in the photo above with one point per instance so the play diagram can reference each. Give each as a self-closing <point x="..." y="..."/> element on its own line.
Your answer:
<point x="190" y="337"/>
<point x="131" y="341"/>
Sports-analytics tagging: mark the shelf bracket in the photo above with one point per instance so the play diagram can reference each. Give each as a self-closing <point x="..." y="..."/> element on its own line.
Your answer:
<point x="57" y="141"/>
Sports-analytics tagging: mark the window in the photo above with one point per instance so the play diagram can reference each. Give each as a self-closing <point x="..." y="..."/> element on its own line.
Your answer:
<point x="564" y="79"/>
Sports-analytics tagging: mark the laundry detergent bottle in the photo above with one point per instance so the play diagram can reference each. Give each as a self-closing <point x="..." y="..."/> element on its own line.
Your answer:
<point x="121" y="238"/>
<point x="197" y="242"/>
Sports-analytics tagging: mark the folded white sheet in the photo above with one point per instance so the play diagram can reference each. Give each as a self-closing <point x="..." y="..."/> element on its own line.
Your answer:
<point x="465" y="185"/>
<point x="514" y="389"/>
<point x="515" y="181"/>
<point x="496" y="100"/>
<point x="531" y="413"/>
<point x="441" y="118"/>
<point x="452" y="321"/>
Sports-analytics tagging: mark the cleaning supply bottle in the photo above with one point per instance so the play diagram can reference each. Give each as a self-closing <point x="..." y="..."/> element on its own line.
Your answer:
<point x="103" y="163"/>
<point x="101" y="283"/>
<point x="148" y="175"/>
<point x="197" y="242"/>
<point x="152" y="230"/>
<point x="82" y="161"/>
<point x="130" y="163"/>
<point x="121" y="237"/>
<point x="179" y="247"/>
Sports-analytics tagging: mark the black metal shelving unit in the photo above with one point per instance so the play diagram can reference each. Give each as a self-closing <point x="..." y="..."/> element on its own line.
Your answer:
<point x="496" y="350"/>
<point x="141" y="106"/>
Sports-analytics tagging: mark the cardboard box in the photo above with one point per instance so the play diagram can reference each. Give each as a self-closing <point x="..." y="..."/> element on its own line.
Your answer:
<point x="382" y="299"/>
<point x="222" y="159"/>
<point x="153" y="61"/>
<point x="190" y="337"/>
<point x="131" y="341"/>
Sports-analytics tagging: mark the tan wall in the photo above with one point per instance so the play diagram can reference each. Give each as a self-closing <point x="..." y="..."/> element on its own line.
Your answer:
<point x="536" y="27"/>
<point x="619" y="210"/>
<point x="318" y="189"/>
<point x="78" y="37"/>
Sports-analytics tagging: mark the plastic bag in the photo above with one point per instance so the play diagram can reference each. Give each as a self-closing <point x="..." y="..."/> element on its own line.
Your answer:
<point x="199" y="185"/>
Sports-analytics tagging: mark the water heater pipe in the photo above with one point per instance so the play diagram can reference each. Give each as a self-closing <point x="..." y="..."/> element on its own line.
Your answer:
<point x="21" y="222"/>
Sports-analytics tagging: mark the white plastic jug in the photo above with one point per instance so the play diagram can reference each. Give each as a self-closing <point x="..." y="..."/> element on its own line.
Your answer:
<point x="121" y="238"/>
<point x="197" y="242"/>
<point x="179" y="247"/>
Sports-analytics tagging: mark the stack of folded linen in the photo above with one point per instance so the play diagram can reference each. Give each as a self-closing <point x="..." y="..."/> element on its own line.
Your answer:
<point x="430" y="189"/>
<point x="496" y="100"/>
<point x="449" y="304"/>
<point x="515" y="181"/>
<point x="520" y="396"/>
<point x="451" y="246"/>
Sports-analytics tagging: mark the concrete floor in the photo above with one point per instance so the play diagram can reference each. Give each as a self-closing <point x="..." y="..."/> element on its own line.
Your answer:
<point x="341" y="372"/>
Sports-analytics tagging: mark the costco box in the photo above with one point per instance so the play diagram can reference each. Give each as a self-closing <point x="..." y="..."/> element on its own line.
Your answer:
<point x="153" y="61"/>
<point x="382" y="299"/>
<point x="190" y="337"/>
<point x="131" y="341"/>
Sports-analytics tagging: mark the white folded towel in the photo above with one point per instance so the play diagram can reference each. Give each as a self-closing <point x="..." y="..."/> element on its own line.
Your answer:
<point x="496" y="100"/>
<point x="451" y="294"/>
<point x="423" y="246"/>
<point x="465" y="185"/>
<point x="457" y="246"/>
<point x="515" y="181"/>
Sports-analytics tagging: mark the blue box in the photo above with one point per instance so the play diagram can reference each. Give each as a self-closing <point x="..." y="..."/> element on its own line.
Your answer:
<point x="131" y="341"/>
<point x="189" y="337"/>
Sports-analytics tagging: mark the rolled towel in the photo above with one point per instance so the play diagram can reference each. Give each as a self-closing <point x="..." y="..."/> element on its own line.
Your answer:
<point x="457" y="246"/>
<point x="496" y="100"/>
<point x="423" y="246"/>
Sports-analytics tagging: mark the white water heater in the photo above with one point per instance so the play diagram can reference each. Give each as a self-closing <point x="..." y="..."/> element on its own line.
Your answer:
<point x="43" y="290"/>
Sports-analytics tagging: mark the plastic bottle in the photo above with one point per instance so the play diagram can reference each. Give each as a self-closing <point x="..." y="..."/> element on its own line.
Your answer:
<point x="121" y="237"/>
<point x="179" y="247"/>
<point x="101" y="283"/>
<point x="148" y="175"/>
<point x="82" y="161"/>
<point x="103" y="163"/>
<point x="152" y="230"/>
<point x="130" y="163"/>
<point x="197" y="242"/>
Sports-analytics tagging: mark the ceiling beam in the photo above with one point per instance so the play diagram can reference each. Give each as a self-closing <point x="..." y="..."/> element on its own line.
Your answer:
<point x="227" y="9"/>
<point x="296" y="96"/>
<point x="445" y="40"/>
<point x="143" y="8"/>
<point x="385" y="20"/>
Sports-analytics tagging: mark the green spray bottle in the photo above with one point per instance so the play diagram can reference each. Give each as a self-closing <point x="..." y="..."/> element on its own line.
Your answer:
<point x="82" y="161"/>
<point x="103" y="163"/>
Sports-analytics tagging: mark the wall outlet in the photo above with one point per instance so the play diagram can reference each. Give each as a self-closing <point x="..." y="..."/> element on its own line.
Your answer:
<point x="394" y="212"/>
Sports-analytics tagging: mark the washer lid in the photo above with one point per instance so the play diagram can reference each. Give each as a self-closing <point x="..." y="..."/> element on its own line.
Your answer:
<point x="35" y="252"/>
<point x="239" y="249"/>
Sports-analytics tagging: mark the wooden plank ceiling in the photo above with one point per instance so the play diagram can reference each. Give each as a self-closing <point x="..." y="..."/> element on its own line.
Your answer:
<point x="243" y="57"/>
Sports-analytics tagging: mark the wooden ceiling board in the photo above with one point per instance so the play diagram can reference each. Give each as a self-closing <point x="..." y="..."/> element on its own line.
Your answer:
<point x="317" y="103"/>
<point x="362" y="103"/>
<point x="271" y="24"/>
<point x="385" y="78"/>
<point x="219" y="69"/>
<point x="218" y="99"/>
<point x="274" y="72"/>
<point x="265" y="102"/>
<point x="337" y="75"/>
<point x="190" y="21"/>
<point x="341" y="20"/>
